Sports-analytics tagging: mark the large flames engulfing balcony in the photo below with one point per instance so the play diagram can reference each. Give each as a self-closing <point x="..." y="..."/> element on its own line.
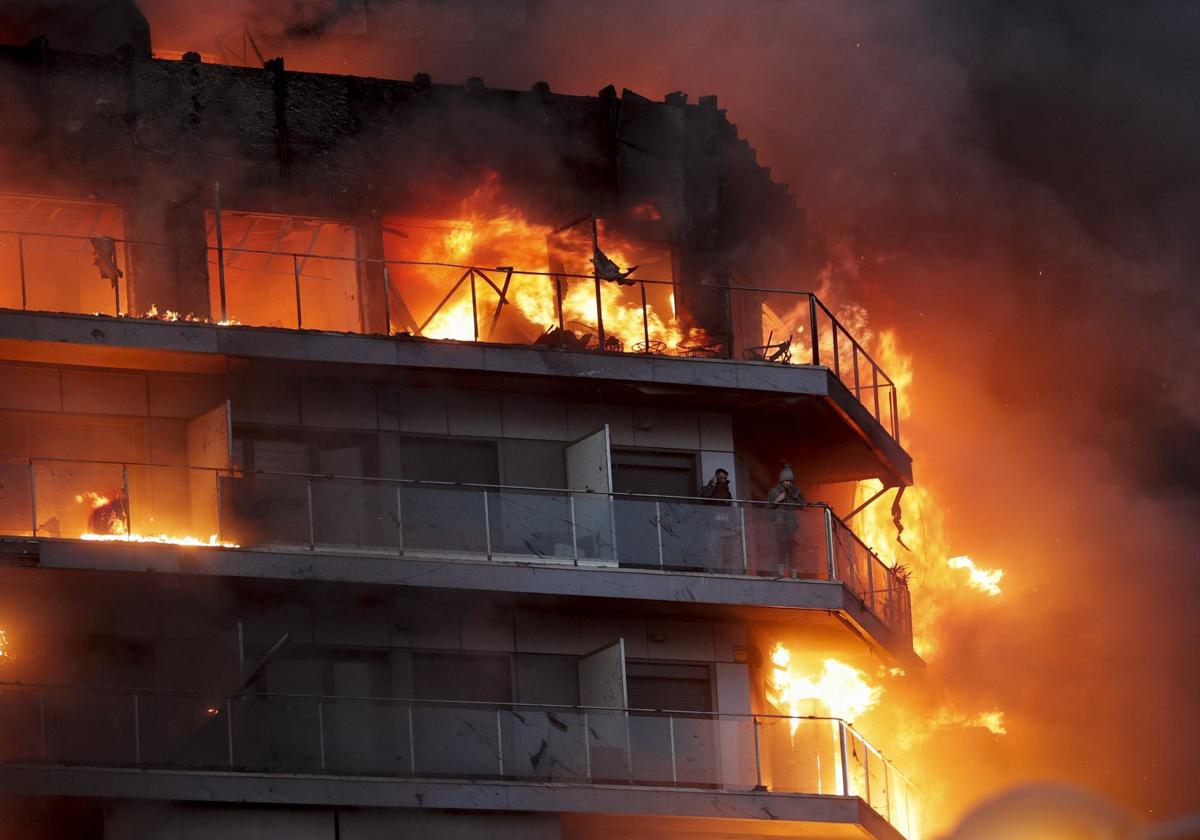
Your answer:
<point x="438" y="739"/>
<point x="195" y="505"/>
<point x="479" y="272"/>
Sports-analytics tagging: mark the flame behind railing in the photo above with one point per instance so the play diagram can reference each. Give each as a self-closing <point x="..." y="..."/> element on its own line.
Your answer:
<point x="41" y="498"/>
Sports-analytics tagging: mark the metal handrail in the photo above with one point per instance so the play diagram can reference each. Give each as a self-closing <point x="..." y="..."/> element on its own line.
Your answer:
<point x="836" y="325"/>
<point x="892" y="615"/>
<point x="844" y="729"/>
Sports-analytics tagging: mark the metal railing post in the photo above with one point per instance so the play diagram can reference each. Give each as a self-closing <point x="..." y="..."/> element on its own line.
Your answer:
<point x="387" y="301"/>
<point x="312" y="524"/>
<point x="321" y="731"/>
<point x="845" y="747"/>
<point x="742" y="535"/>
<point x="474" y="308"/>
<point x="837" y="356"/>
<point x="229" y="729"/>
<point x="33" y="495"/>
<point x="875" y="386"/>
<point x="296" y="277"/>
<point x="829" y="544"/>
<point x="645" y="319"/>
<point x="487" y="526"/>
<point x="895" y="414"/>
<point x="137" y="732"/>
<point x="758" y="772"/>
<point x="499" y="744"/>
<point x="812" y="319"/>
<point x="867" y="775"/>
<point x="658" y="530"/>
<point x="400" y="517"/>
<point x="574" y="528"/>
<point x="412" y="742"/>
<point x="220" y="251"/>
<point x="600" y="317"/>
<point x="21" y="270"/>
<point x="671" y="732"/>
<point x="869" y="601"/>
<point x="128" y="502"/>
<point x="220" y="518"/>
<point x="854" y="358"/>
<point x="587" y="748"/>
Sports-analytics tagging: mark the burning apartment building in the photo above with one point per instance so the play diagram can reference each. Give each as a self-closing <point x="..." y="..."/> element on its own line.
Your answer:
<point x="353" y="437"/>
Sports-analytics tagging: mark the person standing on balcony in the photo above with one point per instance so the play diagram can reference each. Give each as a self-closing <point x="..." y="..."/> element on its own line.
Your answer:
<point x="784" y="499"/>
<point x="721" y="528"/>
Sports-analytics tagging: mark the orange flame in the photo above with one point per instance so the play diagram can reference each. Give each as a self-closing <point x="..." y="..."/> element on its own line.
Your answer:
<point x="836" y="690"/>
<point x="985" y="580"/>
<point x="119" y="532"/>
<point x="3" y="645"/>
<point x="488" y="232"/>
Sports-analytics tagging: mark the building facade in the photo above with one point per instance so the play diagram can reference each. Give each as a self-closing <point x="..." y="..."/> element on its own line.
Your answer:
<point x="352" y="442"/>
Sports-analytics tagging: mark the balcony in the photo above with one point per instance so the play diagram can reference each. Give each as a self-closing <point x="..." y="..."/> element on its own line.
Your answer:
<point x="554" y="747"/>
<point x="565" y="309"/>
<point x="387" y="518"/>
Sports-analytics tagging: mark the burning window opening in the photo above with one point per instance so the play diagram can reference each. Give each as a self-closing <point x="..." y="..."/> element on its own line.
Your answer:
<point x="62" y="255"/>
<point x="551" y="296"/>
<point x="284" y="271"/>
<point x="109" y="521"/>
<point x="4" y="653"/>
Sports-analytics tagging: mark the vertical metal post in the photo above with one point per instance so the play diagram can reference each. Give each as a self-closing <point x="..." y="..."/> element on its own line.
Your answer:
<point x="42" y="721"/>
<point x="312" y="525"/>
<point x="499" y="744"/>
<point x="487" y="526"/>
<point x="33" y="495"/>
<point x="742" y="532"/>
<point x="854" y="357"/>
<point x="895" y="414"/>
<point x="758" y="774"/>
<point x="220" y="250"/>
<point x="21" y="269"/>
<point x="117" y="284"/>
<point x="296" y="278"/>
<point x="321" y="730"/>
<point x="596" y="277"/>
<point x="829" y="544"/>
<point x="866" y="754"/>
<point x="875" y="386"/>
<point x="671" y="732"/>
<point x="600" y="335"/>
<point x="574" y="528"/>
<point x="229" y="729"/>
<point x="869" y="601"/>
<point x="217" y="479"/>
<point x="387" y="301"/>
<point x="587" y="749"/>
<point x="658" y="529"/>
<point x="645" y="318"/>
<point x="137" y="732"/>
<point x="400" y="517"/>
<point x="837" y="357"/>
<point x="412" y="743"/>
<point x="474" y="308"/>
<point x="558" y="299"/>
<point x="128" y="502"/>
<point x="812" y="320"/>
<point x="845" y="758"/>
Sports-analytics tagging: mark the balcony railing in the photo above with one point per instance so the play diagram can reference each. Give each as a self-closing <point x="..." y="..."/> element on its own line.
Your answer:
<point x="337" y="514"/>
<point x="437" y="739"/>
<point x="483" y="304"/>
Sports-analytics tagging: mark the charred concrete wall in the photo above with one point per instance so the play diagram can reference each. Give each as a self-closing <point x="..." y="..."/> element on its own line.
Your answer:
<point x="155" y="136"/>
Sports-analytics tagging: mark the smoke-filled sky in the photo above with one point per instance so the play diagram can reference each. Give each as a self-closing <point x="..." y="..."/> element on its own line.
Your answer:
<point x="1014" y="188"/>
